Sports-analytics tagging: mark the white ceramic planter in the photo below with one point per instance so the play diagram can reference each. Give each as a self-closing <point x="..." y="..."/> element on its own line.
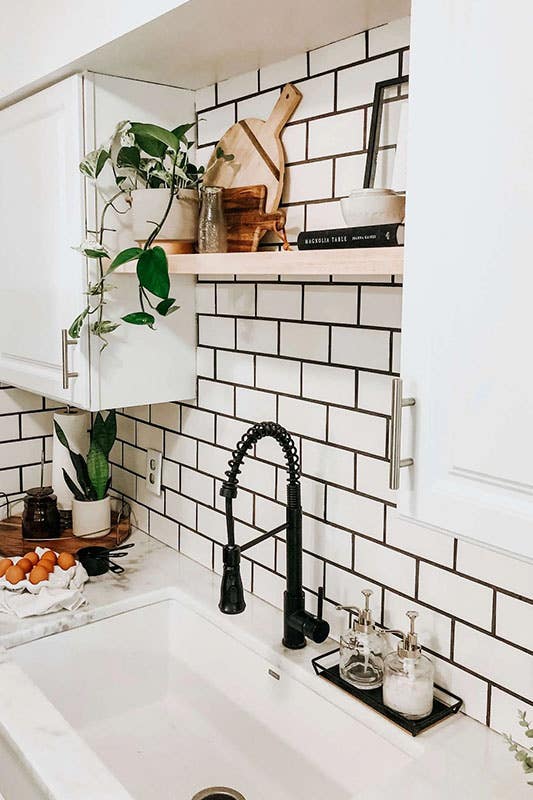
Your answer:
<point x="92" y="518"/>
<point x="373" y="207"/>
<point x="181" y="225"/>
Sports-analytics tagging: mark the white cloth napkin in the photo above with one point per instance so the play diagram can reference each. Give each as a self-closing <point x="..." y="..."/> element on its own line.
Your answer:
<point x="61" y="591"/>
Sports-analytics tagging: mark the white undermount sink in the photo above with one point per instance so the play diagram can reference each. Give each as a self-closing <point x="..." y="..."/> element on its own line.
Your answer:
<point x="172" y="704"/>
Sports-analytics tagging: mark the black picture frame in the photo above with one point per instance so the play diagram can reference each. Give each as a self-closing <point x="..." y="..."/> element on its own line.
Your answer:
<point x="375" y="127"/>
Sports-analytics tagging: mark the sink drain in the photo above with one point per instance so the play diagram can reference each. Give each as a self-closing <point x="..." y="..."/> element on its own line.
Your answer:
<point x="218" y="793"/>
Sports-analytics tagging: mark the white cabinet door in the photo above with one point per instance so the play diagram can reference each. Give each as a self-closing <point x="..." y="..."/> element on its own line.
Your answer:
<point x="467" y="353"/>
<point x="41" y="220"/>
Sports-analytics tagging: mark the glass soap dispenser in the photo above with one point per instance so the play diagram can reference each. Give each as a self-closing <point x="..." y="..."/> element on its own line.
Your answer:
<point x="361" y="646"/>
<point x="408" y="676"/>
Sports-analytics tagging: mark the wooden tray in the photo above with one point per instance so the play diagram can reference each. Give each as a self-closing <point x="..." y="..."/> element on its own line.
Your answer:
<point x="246" y="219"/>
<point x="12" y="542"/>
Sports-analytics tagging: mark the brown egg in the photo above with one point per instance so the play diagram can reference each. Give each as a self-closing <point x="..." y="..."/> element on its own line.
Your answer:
<point x="46" y="564"/>
<point x="5" y="563"/>
<point x="38" y="574"/>
<point x="49" y="556"/>
<point x="33" y="557"/>
<point x="24" y="564"/>
<point x="66" y="560"/>
<point x="15" y="574"/>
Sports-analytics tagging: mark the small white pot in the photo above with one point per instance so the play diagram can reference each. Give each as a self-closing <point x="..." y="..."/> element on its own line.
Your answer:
<point x="373" y="207"/>
<point x="181" y="225"/>
<point x="91" y="518"/>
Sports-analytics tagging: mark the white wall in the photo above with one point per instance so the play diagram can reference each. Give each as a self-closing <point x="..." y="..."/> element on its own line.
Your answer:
<point x="33" y="45"/>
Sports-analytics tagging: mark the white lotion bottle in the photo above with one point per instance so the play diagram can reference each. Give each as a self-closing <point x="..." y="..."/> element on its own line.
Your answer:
<point x="408" y="677"/>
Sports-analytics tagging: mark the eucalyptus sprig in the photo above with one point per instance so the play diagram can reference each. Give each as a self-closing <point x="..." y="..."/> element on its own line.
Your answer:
<point x="140" y="155"/>
<point x="524" y="755"/>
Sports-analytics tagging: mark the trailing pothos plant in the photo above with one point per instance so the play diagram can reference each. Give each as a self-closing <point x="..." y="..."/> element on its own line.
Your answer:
<point x="92" y="473"/>
<point x="147" y="156"/>
<point x="524" y="755"/>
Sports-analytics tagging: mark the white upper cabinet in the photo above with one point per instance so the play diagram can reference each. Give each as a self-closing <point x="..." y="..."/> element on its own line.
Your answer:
<point x="467" y="356"/>
<point x="46" y="211"/>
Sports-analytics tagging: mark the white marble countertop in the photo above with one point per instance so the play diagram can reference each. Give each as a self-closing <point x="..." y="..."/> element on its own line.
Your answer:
<point x="459" y="758"/>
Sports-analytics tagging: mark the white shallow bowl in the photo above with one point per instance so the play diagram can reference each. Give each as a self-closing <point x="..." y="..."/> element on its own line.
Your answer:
<point x="373" y="207"/>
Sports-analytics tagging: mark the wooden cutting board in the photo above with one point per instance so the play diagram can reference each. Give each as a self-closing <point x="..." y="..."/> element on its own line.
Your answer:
<point x="259" y="156"/>
<point x="246" y="219"/>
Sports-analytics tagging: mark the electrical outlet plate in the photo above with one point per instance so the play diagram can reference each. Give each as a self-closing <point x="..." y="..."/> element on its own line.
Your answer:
<point x="153" y="471"/>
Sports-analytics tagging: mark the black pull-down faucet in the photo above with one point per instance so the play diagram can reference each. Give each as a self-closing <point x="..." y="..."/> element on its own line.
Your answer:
<point x="297" y="622"/>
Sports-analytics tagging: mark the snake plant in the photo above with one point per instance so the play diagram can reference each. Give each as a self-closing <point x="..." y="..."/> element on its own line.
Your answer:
<point x="92" y="472"/>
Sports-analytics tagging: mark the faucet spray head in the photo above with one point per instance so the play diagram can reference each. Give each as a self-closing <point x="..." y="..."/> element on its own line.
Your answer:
<point x="231" y="589"/>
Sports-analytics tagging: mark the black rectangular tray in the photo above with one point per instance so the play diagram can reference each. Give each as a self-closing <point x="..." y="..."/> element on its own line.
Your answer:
<point x="374" y="697"/>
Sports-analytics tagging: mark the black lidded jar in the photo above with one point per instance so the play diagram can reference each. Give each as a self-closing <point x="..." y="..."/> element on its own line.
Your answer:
<point x="40" y="518"/>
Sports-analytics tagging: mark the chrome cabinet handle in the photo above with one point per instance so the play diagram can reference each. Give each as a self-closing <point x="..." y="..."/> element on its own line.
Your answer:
<point x="65" y="344"/>
<point x="396" y="461"/>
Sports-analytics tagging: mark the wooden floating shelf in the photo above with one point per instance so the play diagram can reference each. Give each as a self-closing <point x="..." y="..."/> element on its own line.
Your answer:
<point x="364" y="261"/>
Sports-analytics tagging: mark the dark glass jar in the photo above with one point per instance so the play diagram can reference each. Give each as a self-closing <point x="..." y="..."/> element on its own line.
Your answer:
<point x="40" y="518"/>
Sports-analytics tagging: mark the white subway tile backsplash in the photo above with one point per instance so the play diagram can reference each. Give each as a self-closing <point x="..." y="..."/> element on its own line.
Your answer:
<point x="312" y="181"/>
<point x="389" y="37"/>
<point x="205" y="298"/>
<point x="180" y="448"/>
<point x="38" y="423"/>
<point x="293" y="139"/>
<point x="283" y="71"/>
<point x="372" y="477"/>
<point x="216" y="396"/>
<point x="329" y="384"/>
<point x="384" y="565"/>
<point x="10" y="484"/>
<point x="325" y="215"/>
<point x="396" y="345"/>
<point x="125" y="429"/>
<point x="278" y="375"/>
<point x="213" y="460"/>
<point x="360" y="431"/>
<point x="304" y="341"/>
<point x="500" y="663"/>
<point x="349" y="174"/>
<point x="9" y="427"/>
<point x="15" y="400"/>
<point x="164" y="529"/>
<point x="347" y="51"/>
<point x="504" y="715"/>
<point x="381" y="306"/>
<point x="165" y="414"/>
<point x="149" y="437"/>
<point x="269" y="586"/>
<point x="257" y="107"/>
<point x="355" y="85"/>
<point x="498" y="569"/>
<point x="205" y="362"/>
<point x="235" y="367"/>
<point x="197" y="486"/>
<point x="334" y="303"/>
<point x="514" y="621"/>
<point x="328" y="542"/>
<point x="415" y="538"/>
<point x="134" y="460"/>
<point x="279" y="301"/>
<point x="345" y="588"/>
<point x="197" y="423"/>
<point x="328" y="463"/>
<point x="359" y="347"/>
<point x="258" y="335"/>
<point x="254" y="405"/>
<point x="213" y="124"/>
<point x="259" y="477"/>
<point x="230" y="430"/>
<point x="301" y="416"/>
<point x="318" y="97"/>
<point x="461" y="597"/>
<point x="471" y="689"/>
<point x="374" y="392"/>
<point x="19" y="453"/>
<point x="196" y="547"/>
<point x="355" y="512"/>
<point x="216" y="331"/>
<point x="205" y="98"/>
<point x="239" y="86"/>
<point x="237" y="299"/>
<point x="342" y="133"/>
<point x="213" y="524"/>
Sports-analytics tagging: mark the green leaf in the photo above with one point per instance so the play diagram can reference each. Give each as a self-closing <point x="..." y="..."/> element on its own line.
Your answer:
<point x="166" y="307"/>
<point x="152" y="147"/>
<point x="76" y="491"/>
<point x="94" y="162"/>
<point x="61" y="435"/>
<point x="155" y="132"/>
<point x="75" y="329"/>
<point x="128" y="157"/>
<point x="529" y="733"/>
<point x="129" y="254"/>
<point x="104" y="432"/>
<point x="225" y="156"/>
<point x="152" y="271"/>
<point x="181" y="130"/>
<point x="139" y="318"/>
<point x="98" y="470"/>
<point x="82" y="474"/>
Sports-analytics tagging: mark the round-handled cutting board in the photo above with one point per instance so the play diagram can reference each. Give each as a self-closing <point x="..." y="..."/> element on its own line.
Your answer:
<point x="259" y="156"/>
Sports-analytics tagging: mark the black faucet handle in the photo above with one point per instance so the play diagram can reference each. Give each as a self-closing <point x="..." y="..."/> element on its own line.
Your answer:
<point x="320" y="603"/>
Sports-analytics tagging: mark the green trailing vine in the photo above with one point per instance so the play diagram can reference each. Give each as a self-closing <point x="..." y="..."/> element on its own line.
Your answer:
<point x="140" y="155"/>
<point x="524" y="755"/>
